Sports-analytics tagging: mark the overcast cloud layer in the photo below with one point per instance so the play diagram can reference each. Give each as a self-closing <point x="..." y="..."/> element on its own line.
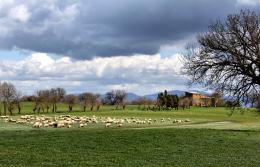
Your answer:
<point x="84" y="29"/>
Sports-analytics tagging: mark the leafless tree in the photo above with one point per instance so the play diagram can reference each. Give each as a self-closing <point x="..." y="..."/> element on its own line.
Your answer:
<point x="43" y="100"/>
<point x="120" y="97"/>
<point x="17" y="100"/>
<point x="8" y="92"/>
<point x="110" y="98"/>
<point x="46" y="97"/>
<point x="38" y="101"/>
<point x="56" y="95"/>
<point x="228" y="58"/>
<point x="94" y="101"/>
<point x="84" y="100"/>
<point x="115" y="97"/>
<point x="88" y="99"/>
<point x="216" y="98"/>
<point x="70" y="100"/>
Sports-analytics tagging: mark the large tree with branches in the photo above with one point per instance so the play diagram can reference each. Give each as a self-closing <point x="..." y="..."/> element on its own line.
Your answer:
<point x="228" y="58"/>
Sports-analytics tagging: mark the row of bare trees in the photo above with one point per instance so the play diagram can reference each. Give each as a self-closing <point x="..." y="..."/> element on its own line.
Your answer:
<point x="89" y="99"/>
<point x="46" y="99"/>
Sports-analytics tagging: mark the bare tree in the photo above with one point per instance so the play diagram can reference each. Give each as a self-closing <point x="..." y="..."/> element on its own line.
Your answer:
<point x="110" y="98"/>
<point x="43" y="100"/>
<point x="94" y="101"/>
<point x="38" y="101"/>
<point x="229" y="56"/>
<point x="46" y="97"/>
<point x="17" y="100"/>
<point x="216" y="98"/>
<point x="90" y="99"/>
<point x="84" y="100"/>
<point x="70" y="100"/>
<point x="120" y="97"/>
<point x="8" y="92"/>
<point x="56" y="95"/>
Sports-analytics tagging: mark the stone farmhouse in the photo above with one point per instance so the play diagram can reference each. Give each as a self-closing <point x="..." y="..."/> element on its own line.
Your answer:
<point x="197" y="99"/>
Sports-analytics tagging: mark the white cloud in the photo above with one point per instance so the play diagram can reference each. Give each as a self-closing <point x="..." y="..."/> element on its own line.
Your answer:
<point x="19" y="13"/>
<point x="139" y="73"/>
<point x="249" y="2"/>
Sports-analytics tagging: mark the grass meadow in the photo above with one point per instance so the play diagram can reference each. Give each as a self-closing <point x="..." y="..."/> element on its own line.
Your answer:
<point x="211" y="138"/>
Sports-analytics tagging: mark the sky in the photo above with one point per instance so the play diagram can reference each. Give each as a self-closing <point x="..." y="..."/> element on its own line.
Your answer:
<point x="100" y="45"/>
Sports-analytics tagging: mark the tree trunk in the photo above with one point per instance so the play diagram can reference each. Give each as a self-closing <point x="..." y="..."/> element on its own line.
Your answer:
<point x="4" y="108"/>
<point x="19" y="109"/>
<point x="10" y="109"/>
<point x="43" y="109"/>
<point x="70" y="108"/>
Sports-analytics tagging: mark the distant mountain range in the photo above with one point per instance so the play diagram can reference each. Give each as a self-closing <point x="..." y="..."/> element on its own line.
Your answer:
<point x="133" y="96"/>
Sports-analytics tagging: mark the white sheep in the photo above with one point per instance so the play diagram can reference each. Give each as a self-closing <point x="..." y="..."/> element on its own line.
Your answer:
<point x="108" y="125"/>
<point x="81" y="125"/>
<point x="186" y="120"/>
<point x="37" y="124"/>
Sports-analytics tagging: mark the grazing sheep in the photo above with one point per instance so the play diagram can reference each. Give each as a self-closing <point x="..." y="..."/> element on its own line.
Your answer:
<point x="61" y="124"/>
<point x="179" y="121"/>
<point x="186" y="120"/>
<point x="81" y="125"/>
<point x="120" y="125"/>
<point x="94" y="120"/>
<point x="108" y="125"/>
<point x="37" y="124"/>
<point x="174" y="121"/>
<point x="109" y="120"/>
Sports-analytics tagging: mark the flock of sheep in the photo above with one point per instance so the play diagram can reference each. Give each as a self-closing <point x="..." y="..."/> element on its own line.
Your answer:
<point x="67" y="121"/>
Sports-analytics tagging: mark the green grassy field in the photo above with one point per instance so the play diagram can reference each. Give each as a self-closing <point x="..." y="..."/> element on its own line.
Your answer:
<point x="211" y="138"/>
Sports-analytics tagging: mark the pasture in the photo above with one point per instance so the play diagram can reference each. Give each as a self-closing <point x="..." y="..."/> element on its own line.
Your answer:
<point x="210" y="138"/>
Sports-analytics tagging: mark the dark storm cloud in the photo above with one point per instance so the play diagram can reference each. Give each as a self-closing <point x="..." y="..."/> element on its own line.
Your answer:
<point x="86" y="29"/>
